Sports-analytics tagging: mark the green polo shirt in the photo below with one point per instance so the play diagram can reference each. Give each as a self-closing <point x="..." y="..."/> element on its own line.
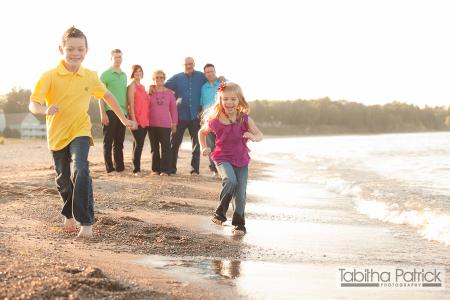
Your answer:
<point x="116" y="83"/>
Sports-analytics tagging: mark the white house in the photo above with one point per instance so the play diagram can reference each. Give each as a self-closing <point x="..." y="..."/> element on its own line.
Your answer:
<point x="27" y="125"/>
<point x="2" y="121"/>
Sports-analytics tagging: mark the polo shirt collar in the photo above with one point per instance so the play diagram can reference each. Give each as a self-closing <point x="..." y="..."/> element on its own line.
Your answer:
<point x="215" y="85"/>
<point x="63" y="71"/>
<point x="114" y="71"/>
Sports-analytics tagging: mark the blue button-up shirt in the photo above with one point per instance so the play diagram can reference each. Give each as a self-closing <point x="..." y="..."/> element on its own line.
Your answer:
<point x="209" y="94"/>
<point x="188" y="88"/>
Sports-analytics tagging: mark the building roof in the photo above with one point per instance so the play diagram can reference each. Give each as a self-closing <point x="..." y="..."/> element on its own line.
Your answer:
<point x="16" y="119"/>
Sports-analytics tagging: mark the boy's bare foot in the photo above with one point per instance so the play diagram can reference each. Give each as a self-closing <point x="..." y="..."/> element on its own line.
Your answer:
<point x="70" y="225"/>
<point x="85" y="233"/>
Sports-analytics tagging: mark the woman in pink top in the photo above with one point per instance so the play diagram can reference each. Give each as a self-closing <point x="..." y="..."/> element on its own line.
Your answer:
<point x="233" y="127"/>
<point x="139" y="111"/>
<point x="163" y="121"/>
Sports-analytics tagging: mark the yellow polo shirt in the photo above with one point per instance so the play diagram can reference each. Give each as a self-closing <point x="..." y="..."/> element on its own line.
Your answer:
<point x="71" y="92"/>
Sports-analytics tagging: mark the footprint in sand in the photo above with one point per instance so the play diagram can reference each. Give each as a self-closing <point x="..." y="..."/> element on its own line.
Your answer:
<point x="128" y="218"/>
<point x="107" y="221"/>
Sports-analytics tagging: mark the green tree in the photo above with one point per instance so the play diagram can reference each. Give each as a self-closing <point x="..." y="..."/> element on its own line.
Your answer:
<point x="17" y="101"/>
<point x="326" y="116"/>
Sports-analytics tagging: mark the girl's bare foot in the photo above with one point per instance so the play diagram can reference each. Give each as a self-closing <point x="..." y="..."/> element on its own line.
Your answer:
<point x="216" y="221"/>
<point x="85" y="232"/>
<point x="70" y="225"/>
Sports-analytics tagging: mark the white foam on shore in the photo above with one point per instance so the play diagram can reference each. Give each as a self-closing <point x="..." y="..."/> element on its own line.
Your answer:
<point x="343" y="187"/>
<point x="431" y="225"/>
<point x="381" y="176"/>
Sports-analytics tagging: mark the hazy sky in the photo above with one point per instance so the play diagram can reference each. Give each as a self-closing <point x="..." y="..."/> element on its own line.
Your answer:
<point x="360" y="50"/>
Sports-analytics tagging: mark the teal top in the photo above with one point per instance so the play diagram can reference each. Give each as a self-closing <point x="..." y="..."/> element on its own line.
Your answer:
<point x="208" y="94"/>
<point x="116" y="83"/>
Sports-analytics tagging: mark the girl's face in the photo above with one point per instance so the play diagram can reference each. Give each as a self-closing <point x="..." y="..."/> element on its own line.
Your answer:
<point x="230" y="102"/>
<point x="138" y="74"/>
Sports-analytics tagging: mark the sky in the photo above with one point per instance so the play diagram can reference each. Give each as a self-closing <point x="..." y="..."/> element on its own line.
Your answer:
<point x="367" y="51"/>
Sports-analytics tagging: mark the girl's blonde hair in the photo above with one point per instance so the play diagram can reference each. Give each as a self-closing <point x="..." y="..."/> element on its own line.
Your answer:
<point x="243" y="107"/>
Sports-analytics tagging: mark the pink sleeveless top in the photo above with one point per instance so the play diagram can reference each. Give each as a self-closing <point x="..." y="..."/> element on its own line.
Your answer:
<point x="141" y="106"/>
<point x="230" y="145"/>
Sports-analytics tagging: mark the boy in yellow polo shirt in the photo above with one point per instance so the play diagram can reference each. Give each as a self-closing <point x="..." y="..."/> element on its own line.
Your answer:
<point x="63" y="95"/>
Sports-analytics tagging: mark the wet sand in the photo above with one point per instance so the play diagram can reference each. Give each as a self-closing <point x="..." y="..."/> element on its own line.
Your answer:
<point x="154" y="239"/>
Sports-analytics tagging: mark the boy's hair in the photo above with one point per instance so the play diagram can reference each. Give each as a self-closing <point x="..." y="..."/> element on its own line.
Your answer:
<point x="73" y="32"/>
<point x="243" y="107"/>
<point x="208" y="65"/>
<point x="114" y="51"/>
<point x="158" y="72"/>
<point x="134" y="69"/>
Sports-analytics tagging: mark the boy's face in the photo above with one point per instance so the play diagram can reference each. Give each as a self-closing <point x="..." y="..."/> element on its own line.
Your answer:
<point x="74" y="51"/>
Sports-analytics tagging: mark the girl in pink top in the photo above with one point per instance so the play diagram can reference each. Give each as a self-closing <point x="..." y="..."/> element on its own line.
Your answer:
<point x="163" y="122"/>
<point x="139" y="111"/>
<point x="233" y="127"/>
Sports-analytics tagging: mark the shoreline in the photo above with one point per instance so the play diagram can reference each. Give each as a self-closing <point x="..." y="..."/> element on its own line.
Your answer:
<point x="154" y="238"/>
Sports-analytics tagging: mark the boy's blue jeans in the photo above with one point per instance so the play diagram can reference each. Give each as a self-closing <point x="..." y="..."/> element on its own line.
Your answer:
<point x="75" y="187"/>
<point x="234" y="184"/>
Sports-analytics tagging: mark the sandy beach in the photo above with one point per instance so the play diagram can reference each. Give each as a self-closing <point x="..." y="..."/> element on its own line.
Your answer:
<point x="135" y="216"/>
<point x="154" y="239"/>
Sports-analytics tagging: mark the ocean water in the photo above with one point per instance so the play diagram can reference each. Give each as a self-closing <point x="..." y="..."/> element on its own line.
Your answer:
<point x="323" y="203"/>
<point x="394" y="178"/>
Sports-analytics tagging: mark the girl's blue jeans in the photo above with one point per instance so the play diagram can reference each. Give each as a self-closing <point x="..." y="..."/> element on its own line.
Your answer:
<point x="234" y="185"/>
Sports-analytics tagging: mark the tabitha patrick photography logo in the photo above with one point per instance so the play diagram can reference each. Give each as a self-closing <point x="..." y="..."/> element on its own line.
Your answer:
<point x="391" y="277"/>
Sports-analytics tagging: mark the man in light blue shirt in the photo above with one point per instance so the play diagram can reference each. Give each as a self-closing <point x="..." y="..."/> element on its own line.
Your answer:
<point x="187" y="87"/>
<point x="209" y="89"/>
<point x="207" y="99"/>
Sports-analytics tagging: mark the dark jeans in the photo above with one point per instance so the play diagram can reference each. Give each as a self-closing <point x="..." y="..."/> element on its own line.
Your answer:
<point x="75" y="187"/>
<point x="234" y="184"/>
<point x="211" y="142"/>
<point x="193" y="126"/>
<point x="113" y="137"/>
<point x="160" y="136"/>
<point x="138" y="144"/>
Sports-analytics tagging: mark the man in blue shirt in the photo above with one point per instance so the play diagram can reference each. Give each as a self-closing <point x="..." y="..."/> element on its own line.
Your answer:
<point x="207" y="99"/>
<point x="187" y="87"/>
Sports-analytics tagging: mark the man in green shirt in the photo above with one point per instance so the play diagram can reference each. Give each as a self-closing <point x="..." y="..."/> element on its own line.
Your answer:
<point x="113" y="130"/>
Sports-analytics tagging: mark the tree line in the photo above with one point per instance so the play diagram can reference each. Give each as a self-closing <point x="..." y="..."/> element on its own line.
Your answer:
<point x="302" y="117"/>
<point x="323" y="116"/>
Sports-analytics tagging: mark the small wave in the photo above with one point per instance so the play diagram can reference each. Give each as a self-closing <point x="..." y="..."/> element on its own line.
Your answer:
<point x="343" y="187"/>
<point x="431" y="225"/>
